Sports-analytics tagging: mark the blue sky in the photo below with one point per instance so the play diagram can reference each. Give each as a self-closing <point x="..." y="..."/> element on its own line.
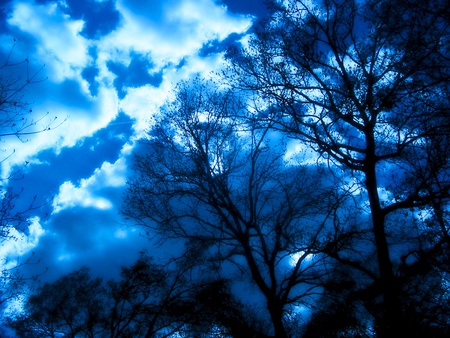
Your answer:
<point x="109" y="66"/>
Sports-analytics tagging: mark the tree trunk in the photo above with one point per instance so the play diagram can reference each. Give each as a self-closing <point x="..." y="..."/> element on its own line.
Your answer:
<point x="276" y="314"/>
<point x="390" y="322"/>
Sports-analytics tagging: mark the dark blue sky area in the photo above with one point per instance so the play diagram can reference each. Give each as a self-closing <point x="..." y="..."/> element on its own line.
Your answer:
<point x="100" y="18"/>
<point x="72" y="164"/>
<point x="257" y="8"/>
<point x="136" y="74"/>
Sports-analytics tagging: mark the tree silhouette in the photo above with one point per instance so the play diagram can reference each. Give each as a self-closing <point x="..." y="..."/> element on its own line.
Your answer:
<point x="72" y="305"/>
<point x="16" y="120"/>
<point x="365" y="84"/>
<point x="148" y="300"/>
<point x="213" y="177"/>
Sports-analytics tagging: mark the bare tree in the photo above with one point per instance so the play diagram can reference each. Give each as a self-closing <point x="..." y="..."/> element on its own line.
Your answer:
<point x="16" y="120"/>
<point x="72" y="306"/>
<point x="148" y="300"/>
<point x="365" y="84"/>
<point x="144" y="302"/>
<point x="213" y="177"/>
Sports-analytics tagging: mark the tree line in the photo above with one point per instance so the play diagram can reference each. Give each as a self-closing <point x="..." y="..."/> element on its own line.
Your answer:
<point x="148" y="300"/>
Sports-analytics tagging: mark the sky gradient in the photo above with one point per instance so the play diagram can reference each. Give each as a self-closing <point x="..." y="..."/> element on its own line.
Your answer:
<point x="109" y="66"/>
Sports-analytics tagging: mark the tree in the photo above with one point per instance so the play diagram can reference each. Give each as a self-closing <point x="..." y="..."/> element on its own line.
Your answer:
<point x="148" y="300"/>
<point x="216" y="311"/>
<point x="212" y="176"/>
<point x="77" y="305"/>
<point x="365" y="84"/>
<point x="16" y="120"/>
<point x="133" y="299"/>
<point x="143" y="302"/>
<point x="15" y="112"/>
<point x="73" y="305"/>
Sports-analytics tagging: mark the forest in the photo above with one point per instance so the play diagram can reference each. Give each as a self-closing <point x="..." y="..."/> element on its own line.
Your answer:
<point x="304" y="190"/>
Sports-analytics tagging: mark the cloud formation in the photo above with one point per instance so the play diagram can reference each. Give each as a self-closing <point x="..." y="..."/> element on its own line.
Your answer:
<point x="109" y="67"/>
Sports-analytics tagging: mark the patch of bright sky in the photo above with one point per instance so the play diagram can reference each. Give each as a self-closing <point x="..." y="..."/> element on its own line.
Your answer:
<point x="294" y="258"/>
<point x="298" y="153"/>
<point x="66" y="256"/>
<point x="84" y="194"/>
<point x="120" y="233"/>
<point x="386" y="197"/>
<point x="20" y="243"/>
<point x="301" y="8"/>
<point x="65" y="53"/>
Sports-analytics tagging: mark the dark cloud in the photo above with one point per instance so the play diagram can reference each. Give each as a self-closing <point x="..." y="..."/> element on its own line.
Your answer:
<point x="181" y="64"/>
<point x="81" y="161"/>
<point x="45" y="96"/>
<point x="4" y="9"/>
<point x="100" y="18"/>
<point x="135" y="75"/>
<point x="71" y="164"/>
<point x="258" y="8"/>
<point x="17" y="49"/>
<point x="80" y="236"/>
<point x="43" y="2"/>
<point x="217" y="46"/>
<point x="89" y="74"/>
<point x="84" y="236"/>
<point x="72" y="93"/>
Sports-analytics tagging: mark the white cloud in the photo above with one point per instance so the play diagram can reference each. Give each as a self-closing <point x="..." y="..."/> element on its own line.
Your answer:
<point x="87" y="192"/>
<point x="110" y="175"/>
<point x="207" y="20"/>
<point x="85" y="122"/>
<point x="70" y="196"/>
<point x="20" y="243"/>
<point x="142" y="103"/>
<point x="182" y="30"/>
<point x="80" y="123"/>
<point x="59" y="44"/>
